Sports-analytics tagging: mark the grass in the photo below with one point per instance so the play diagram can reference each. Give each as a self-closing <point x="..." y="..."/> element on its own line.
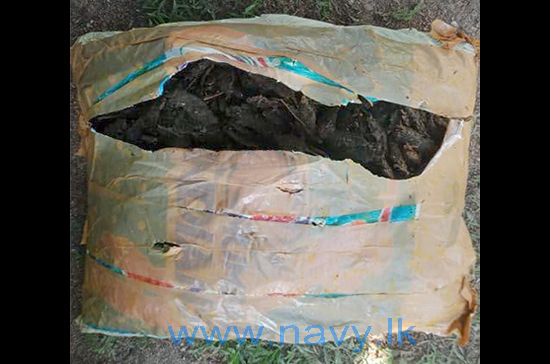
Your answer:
<point x="168" y="11"/>
<point x="325" y="8"/>
<point x="407" y="13"/>
<point x="435" y="356"/>
<point x="426" y="351"/>
<point x="251" y="10"/>
<point x="102" y="345"/>
<point x="112" y="348"/>
<point x="266" y="352"/>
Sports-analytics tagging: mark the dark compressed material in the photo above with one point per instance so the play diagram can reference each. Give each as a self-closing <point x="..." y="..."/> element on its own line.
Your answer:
<point x="219" y="107"/>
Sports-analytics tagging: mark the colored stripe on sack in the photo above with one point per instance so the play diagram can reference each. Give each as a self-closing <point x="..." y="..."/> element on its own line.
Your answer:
<point x="137" y="277"/>
<point x="132" y="76"/>
<point x="283" y="63"/>
<point x="297" y="67"/>
<point x="387" y="214"/>
<point x="390" y="215"/>
<point x="157" y="282"/>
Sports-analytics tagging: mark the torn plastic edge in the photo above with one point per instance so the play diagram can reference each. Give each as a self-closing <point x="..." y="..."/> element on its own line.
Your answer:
<point x="452" y="135"/>
<point x="449" y="36"/>
<point x="463" y="323"/>
<point x="165" y="248"/>
<point x="279" y="62"/>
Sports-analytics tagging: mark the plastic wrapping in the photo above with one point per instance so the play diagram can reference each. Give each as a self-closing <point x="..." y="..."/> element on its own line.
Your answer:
<point x="273" y="238"/>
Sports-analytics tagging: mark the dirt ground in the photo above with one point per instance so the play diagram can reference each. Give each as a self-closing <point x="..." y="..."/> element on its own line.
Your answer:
<point x="104" y="15"/>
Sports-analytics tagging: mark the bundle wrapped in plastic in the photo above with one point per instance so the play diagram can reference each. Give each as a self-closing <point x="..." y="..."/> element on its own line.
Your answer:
<point x="263" y="239"/>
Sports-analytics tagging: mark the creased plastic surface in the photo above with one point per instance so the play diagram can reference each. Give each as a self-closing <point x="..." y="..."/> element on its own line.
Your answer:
<point x="247" y="246"/>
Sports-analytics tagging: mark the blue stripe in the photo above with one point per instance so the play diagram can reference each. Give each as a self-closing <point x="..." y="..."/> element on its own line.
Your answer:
<point x="105" y="264"/>
<point x="297" y="67"/>
<point x="284" y="63"/>
<point x="161" y="86"/>
<point x="368" y="217"/>
<point x="108" y="329"/>
<point x="133" y="75"/>
<point x="403" y="213"/>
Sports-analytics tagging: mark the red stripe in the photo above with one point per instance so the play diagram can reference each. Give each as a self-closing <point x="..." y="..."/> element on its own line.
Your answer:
<point x="385" y="214"/>
<point x="281" y="294"/>
<point x="262" y="62"/>
<point x="150" y="280"/>
<point x="283" y="218"/>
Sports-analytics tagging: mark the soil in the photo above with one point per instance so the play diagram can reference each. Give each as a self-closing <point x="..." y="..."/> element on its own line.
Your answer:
<point x="219" y="107"/>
